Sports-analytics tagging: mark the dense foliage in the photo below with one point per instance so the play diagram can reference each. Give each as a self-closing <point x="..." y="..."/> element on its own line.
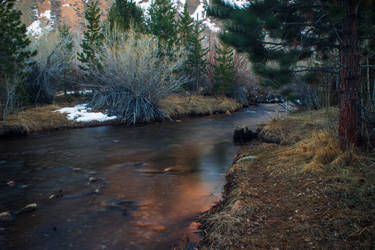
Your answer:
<point x="163" y="24"/>
<point x="124" y="13"/>
<point x="195" y="65"/>
<point x="224" y="71"/>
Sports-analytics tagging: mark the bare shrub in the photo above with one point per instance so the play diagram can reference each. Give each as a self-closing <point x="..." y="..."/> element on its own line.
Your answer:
<point x="49" y="72"/>
<point x="7" y="96"/>
<point x="134" y="78"/>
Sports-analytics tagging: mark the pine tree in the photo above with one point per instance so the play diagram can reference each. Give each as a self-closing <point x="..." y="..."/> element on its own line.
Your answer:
<point x="92" y="38"/>
<point x="185" y="26"/>
<point x="287" y="32"/>
<point x="67" y="46"/>
<point x="13" y="40"/>
<point x="224" y="71"/>
<point x="124" y="13"/>
<point x="195" y="65"/>
<point x="66" y="36"/>
<point x="14" y="55"/>
<point x="162" y="24"/>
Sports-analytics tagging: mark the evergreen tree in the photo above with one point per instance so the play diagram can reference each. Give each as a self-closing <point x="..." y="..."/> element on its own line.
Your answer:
<point x="13" y="40"/>
<point x="67" y="46"/>
<point x="66" y="36"/>
<point x="14" y="55"/>
<point x="185" y="26"/>
<point x="196" y="62"/>
<point x="162" y="24"/>
<point x="124" y="13"/>
<point x="224" y="71"/>
<point x="92" y="38"/>
<point x="286" y="32"/>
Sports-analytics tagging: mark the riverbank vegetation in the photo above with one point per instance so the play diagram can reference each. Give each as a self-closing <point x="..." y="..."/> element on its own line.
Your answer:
<point x="127" y="62"/>
<point x="45" y="118"/>
<point x="303" y="192"/>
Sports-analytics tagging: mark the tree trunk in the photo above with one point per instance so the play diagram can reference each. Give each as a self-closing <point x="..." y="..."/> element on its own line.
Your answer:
<point x="350" y="122"/>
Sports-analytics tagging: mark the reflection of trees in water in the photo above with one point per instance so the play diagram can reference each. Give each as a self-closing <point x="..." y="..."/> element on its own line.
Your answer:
<point x="220" y="154"/>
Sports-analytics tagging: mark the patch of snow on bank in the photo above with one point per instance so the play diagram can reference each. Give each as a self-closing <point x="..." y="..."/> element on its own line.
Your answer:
<point x="80" y="113"/>
<point x="81" y="92"/>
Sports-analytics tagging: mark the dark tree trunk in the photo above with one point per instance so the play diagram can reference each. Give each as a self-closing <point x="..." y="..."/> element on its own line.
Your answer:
<point x="350" y="122"/>
<point x="333" y="98"/>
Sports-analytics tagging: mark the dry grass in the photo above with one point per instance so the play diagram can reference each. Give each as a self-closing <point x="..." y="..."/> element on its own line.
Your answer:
<point x="38" y="119"/>
<point x="306" y="193"/>
<point x="176" y="106"/>
<point x="291" y="129"/>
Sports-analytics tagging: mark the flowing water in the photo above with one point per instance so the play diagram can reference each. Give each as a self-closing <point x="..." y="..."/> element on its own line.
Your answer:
<point x="117" y="188"/>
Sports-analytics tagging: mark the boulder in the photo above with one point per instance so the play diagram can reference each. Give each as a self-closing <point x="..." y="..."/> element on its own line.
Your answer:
<point x="243" y="135"/>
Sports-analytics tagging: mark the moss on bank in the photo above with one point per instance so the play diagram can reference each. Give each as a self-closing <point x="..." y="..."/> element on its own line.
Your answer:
<point x="302" y="193"/>
<point x="38" y="119"/>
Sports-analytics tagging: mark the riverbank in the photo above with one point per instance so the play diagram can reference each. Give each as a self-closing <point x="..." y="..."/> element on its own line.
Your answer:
<point x="44" y="118"/>
<point x="300" y="193"/>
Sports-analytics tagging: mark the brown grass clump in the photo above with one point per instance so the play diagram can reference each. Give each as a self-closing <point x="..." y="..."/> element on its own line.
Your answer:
<point x="291" y="129"/>
<point x="306" y="193"/>
<point x="176" y="106"/>
<point x="36" y="119"/>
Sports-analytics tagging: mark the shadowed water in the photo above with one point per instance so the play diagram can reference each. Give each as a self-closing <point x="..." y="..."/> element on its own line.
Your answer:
<point x="147" y="183"/>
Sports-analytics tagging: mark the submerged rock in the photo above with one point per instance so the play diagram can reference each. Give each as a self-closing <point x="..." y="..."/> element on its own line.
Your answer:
<point x="11" y="183"/>
<point x="28" y="208"/>
<point x="6" y="217"/>
<point x="92" y="179"/>
<point x="149" y="226"/>
<point x="243" y="135"/>
<point x="169" y="170"/>
<point x="227" y="112"/>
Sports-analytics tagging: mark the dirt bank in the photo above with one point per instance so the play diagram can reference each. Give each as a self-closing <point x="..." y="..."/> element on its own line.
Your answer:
<point x="301" y="193"/>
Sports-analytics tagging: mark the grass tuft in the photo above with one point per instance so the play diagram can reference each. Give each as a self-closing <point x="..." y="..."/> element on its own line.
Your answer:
<point x="176" y="106"/>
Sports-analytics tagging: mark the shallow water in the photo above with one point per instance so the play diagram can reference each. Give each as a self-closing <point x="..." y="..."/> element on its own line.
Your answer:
<point x="150" y="182"/>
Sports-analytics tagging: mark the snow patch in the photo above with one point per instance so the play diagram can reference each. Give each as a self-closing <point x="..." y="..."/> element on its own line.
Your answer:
<point x="201" y="15"/>
<point x="35" y="29"/>
<point x="80" y="113"/>
<point x="238" y="3"/>
<point x="81" y="92"/>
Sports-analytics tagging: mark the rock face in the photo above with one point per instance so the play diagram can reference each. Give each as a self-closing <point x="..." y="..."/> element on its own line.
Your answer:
<point x="243" y="135"/>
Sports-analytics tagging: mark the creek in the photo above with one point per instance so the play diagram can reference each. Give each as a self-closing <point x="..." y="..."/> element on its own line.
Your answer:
<point x="115" y="187"/>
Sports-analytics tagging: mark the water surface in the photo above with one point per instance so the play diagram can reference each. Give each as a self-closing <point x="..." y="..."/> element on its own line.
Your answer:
<point x="147" y="184"/>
